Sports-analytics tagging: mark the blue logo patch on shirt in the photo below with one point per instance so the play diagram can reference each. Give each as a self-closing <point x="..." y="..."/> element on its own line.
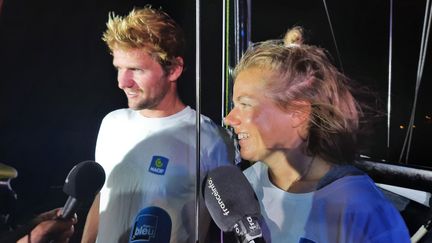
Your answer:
<point x="158" y="165"/>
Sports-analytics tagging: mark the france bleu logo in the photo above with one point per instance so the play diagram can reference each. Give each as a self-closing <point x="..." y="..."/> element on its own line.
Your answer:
<point x="158" y="165"/>
<point x="144" y="229"/>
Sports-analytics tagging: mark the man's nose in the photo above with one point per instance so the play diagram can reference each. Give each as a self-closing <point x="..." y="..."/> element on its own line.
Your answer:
<point x="125" y="79"/>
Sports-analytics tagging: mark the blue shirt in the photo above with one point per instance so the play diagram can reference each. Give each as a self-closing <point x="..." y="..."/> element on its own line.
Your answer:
<point x="350" y="209"/>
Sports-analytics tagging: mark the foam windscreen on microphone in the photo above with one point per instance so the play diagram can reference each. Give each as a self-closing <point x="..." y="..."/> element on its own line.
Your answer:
<point x="152" y="224"/>
<point x="84" y="180"/>
<point x="229" y="197"/>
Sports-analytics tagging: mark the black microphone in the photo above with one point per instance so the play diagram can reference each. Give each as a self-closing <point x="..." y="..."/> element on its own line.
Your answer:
<point x="232" y="203"/>
<point x="82" y="184"/>
<point x="152" y="224"/>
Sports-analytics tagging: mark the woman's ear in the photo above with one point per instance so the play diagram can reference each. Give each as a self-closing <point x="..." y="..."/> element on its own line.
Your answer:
<point x="300" y="113"/>
<point x="300" y="118"/>
<point x="176" y="70"/>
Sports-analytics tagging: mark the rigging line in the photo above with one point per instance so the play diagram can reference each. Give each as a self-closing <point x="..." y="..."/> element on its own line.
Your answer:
<point x="389" y="75"/>
<point x="198" y="117"/>
<point x="426" y="39"/>
<point x="333" y="35"/>
<point x="422" y="57"/>
<point x="420" y="70"/>
<point x="227" y="60"/>
<point x="423" y="47"/>
<point x="418" y="81"/>
<point x="224" y="15"/>
<point x="236" y="32"/>
<point x="249" y="23"/>
<point x="411" y="121"/>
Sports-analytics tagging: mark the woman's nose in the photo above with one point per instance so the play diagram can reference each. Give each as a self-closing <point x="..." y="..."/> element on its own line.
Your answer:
<point x="231" y="119"/>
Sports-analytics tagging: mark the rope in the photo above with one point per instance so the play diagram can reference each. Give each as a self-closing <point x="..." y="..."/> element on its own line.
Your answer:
<point x="198" y="117"/>
<point x="333" y="35"/>
<point x="389" y="75"/>
<point x="422" y="56"/>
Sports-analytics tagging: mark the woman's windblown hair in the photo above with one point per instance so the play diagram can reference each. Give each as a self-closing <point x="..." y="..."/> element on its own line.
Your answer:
<point x="301" y="72"/>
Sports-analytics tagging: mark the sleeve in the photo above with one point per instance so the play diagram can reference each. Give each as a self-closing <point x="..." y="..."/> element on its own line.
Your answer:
<point x="355" y="211"/>
<point x="388" y="226"/>
<point x="100" y="141"/>
<point x="381" y="223"/>
<point x="220" y="149"/>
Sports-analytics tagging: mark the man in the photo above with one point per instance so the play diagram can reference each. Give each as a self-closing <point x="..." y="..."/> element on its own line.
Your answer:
<point x="148" y="150"/>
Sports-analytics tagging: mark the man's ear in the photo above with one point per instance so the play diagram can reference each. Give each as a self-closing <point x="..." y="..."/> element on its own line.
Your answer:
<point x="176" y="70"/>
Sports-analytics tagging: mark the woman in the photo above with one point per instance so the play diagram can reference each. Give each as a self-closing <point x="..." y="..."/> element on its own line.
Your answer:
<point x="295" y="115"/>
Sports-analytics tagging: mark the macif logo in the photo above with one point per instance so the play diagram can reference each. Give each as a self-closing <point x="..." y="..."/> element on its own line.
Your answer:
<point x="144" y="228"/>
<point x="158" y="165"/>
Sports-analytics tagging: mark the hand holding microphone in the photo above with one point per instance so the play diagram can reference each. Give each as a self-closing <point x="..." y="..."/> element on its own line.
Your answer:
<point x="82" y="183"/>
<point x="232" y="203"/>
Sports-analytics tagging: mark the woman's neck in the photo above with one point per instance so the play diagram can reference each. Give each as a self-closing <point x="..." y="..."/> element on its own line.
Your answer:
<point x="298" y="173"/>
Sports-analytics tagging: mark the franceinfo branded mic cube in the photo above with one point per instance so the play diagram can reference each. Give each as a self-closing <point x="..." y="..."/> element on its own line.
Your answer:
<point x="232" y="203"/>
<point x="152" y="224"/>
<point x="82" y="184"/>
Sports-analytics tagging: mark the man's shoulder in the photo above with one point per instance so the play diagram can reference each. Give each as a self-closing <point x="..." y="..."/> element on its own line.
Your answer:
<point x="210" y="128"/>
<point x="119" y="113"/>
<point x="207" y="122"/>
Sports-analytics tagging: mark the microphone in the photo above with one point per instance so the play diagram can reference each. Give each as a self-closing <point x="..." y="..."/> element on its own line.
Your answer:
<point x="152" y="224"/>
<point x="232" y="203"/>
<point x="82" y="184"/>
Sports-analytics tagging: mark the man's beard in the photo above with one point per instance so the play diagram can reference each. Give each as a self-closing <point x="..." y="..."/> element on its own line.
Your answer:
<point x="150" y="102"/>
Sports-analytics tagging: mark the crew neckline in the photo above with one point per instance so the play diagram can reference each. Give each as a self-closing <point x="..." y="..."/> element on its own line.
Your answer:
<point x="177" y="115"/>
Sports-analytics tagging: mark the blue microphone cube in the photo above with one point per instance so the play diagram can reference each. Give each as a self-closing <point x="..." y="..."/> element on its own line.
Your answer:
<point x="152" y="224"/>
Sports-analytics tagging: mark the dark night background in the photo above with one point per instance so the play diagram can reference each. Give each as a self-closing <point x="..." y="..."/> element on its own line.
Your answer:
<point x="57" y="81"/>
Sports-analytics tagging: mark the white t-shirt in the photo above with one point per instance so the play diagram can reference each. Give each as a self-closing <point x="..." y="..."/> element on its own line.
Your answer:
<point x="151" y="162"/>
<point x="348" y="210"/>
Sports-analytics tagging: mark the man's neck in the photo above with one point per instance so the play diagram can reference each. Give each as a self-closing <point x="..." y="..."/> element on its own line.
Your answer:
<point x="164" y="109"/>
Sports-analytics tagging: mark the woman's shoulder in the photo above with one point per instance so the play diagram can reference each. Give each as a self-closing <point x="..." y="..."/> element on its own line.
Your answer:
<point x="356" y="189"/>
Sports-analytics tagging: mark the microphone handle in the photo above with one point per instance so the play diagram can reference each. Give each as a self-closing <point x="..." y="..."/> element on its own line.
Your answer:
<point x="248" y="230"/>
<point x="69" y="208"/>
<point x="256" y="240"/>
